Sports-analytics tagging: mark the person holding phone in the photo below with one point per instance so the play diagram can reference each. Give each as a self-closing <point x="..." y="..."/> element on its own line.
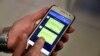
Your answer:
<point x="19" y="32"/>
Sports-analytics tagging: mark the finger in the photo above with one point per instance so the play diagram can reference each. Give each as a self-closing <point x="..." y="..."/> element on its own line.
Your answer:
<point x="65" y="38"/>
<point x="36" y="49"/>
<point x="53" y="54"/>
<point x="59" y="46"/>
<point x="19" y="50"/>
<point x="30" y="30"/>
<point x="34" y="17"/>
<point x="70" y="30"/>
<point x="40" y="14"/>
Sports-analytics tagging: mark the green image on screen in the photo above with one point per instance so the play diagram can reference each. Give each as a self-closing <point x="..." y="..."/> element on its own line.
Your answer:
<point x="54" y="25"/>
<point x="47" y="35"/>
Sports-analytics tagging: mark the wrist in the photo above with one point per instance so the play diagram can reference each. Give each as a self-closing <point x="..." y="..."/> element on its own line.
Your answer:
<point x="9" y="39"/>
<point x="3" y="39"/>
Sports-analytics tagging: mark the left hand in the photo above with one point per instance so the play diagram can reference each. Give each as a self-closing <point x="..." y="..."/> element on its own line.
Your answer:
<point x="24" y="26"/>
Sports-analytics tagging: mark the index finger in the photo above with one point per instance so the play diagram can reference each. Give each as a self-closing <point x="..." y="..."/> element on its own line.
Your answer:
<point x="40" y="14"/>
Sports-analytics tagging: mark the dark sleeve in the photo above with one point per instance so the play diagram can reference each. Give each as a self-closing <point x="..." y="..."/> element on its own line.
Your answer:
<point x="3" y="48"/>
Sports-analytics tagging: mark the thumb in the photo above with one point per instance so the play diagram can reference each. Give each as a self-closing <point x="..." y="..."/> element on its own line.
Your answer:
<point x="36" y="49"/>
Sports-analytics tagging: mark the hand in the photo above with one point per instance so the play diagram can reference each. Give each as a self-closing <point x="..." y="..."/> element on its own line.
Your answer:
<point x="24" y="26"/>
<point x="33" y="51"/>
<point x="63" y="40"/>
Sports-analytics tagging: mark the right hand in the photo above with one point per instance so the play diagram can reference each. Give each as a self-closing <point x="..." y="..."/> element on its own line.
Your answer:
<point x="33" y="51"/>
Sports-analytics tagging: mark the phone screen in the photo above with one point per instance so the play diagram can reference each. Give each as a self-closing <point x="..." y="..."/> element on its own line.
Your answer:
<point x="51" y="29"/>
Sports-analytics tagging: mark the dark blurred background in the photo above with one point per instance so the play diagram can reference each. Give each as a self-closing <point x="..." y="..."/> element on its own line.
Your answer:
<point x="89" y="5"/>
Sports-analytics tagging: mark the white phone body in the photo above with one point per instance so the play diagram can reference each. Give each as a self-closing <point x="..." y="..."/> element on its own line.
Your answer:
<point x="51" y="28"/>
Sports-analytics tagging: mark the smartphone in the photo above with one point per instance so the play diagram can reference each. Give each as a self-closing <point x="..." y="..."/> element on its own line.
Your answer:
<point x="52" y="27"/>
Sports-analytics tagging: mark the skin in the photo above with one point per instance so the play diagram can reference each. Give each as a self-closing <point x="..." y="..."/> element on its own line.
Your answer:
<point x="20" y="31"/>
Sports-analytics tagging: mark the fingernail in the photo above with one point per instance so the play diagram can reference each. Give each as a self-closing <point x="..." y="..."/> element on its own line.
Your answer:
<point x="41" y="39"/>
